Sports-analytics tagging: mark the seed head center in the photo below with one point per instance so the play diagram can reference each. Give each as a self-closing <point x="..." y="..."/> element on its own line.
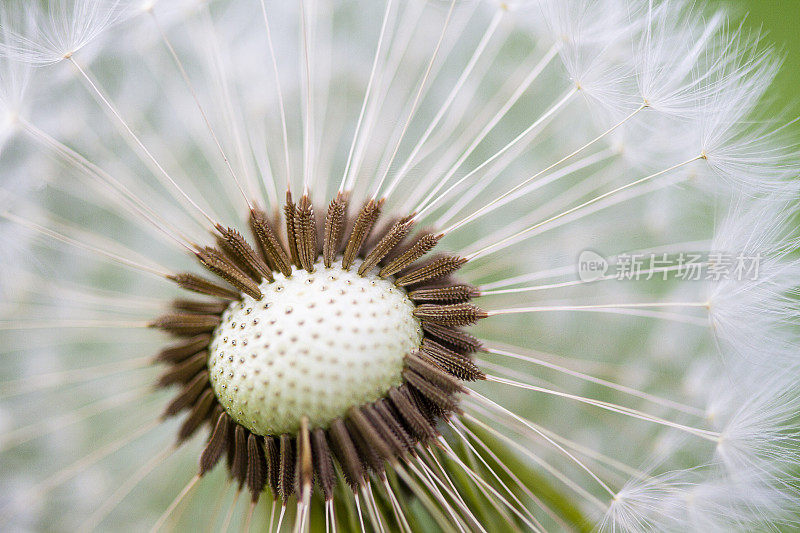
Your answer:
<point x="315" y="345"/>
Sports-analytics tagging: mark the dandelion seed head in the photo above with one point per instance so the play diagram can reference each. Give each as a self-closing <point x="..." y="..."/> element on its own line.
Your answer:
<point x="507" y="195"/>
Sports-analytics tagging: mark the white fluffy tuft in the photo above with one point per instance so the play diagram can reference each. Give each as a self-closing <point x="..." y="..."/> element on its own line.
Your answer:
<point x="59" y="31"/>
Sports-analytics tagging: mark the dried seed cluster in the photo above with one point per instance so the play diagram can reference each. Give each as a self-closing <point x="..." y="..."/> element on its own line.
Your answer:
<point x="326" y="351"/>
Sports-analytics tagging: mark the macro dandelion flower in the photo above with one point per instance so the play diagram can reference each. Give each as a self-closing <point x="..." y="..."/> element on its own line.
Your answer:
<point x="418" y="265"/>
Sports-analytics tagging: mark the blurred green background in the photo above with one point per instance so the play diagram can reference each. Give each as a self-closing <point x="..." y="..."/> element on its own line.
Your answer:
<point x="779" y="20"/>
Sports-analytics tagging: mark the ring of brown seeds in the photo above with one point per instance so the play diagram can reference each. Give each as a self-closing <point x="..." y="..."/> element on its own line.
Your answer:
<point x="367" y="435"/>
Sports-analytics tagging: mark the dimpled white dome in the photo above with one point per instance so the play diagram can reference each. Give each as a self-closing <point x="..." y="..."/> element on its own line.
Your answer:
<point x="314" y="345"/>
